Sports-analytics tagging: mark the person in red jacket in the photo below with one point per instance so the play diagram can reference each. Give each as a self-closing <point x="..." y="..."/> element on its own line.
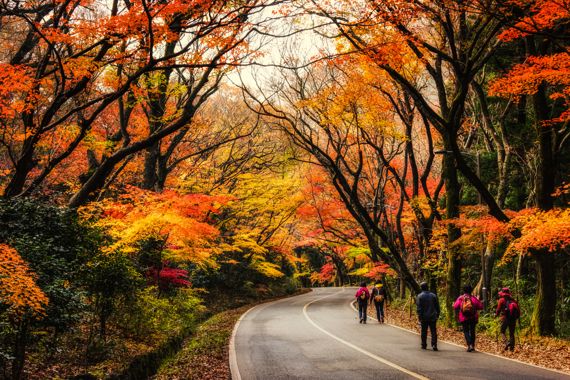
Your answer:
<point x="468" y="306"/>
<point x="362" y="296"/>
<point x="508" y="309"/>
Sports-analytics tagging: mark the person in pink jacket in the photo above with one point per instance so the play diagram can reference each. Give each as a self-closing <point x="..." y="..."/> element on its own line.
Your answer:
<point x="468" y="306"/>
<point x="362" y="296"/>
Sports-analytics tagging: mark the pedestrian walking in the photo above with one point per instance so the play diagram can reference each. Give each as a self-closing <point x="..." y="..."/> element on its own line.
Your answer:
<point x="509" y="311"/>
<point x="428" y="310"/>
<point x="378" y="296"/>
<point x="468" y="306"/>
<point x="362" y="297"/>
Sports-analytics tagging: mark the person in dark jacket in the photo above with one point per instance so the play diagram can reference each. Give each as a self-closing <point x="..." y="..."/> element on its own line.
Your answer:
<point x="362" y="296"/>
<point x="378" y="296"/>
<point x="428" y="312"/>
<point x="468" y="306"/>
<point x="507" y="321"/>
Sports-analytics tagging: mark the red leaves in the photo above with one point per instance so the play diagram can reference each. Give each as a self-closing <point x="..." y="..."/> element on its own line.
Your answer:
<point x="378" y="271"/>
<point x="168" y="277"/>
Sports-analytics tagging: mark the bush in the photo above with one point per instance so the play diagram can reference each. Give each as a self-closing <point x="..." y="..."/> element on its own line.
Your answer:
<point x="151" y="317"/>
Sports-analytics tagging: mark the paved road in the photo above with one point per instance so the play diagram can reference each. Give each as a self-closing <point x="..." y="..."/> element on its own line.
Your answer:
<point x="317" y="336"/>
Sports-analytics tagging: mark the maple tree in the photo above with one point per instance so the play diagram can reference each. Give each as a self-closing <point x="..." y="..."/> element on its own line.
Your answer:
<point x="359" y="146"/>
<point x="18" y="288"/>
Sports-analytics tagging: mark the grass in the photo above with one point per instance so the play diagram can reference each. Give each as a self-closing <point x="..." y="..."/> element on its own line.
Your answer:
<point x="205" y="354"/>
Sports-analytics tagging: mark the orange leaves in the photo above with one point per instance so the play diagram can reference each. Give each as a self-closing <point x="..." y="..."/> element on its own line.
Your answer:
<point x="17" y="286"/>
<point x="525" y="79"/>
<point x="546" y="231"/>
<point x="543" y="15"/>
<point x="17" y="90"/>
<point x="181" y="220"/>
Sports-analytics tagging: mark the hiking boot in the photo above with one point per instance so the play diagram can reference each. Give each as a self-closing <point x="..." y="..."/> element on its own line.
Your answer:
<point x="434" y="348"/>
<point x="364" y="321"/>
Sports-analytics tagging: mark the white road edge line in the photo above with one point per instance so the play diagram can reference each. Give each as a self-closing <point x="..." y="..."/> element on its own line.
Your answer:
<point x="458" y="345"/>
<point x="367" y="353"/>
<point x="234" y="369"/>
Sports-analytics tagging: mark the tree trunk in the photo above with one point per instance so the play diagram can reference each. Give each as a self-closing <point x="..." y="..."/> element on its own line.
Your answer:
<point x="487" y="264"/>
<point x="150" y="167"/>
<point x="20" y="350"/>
<point x="453" y="278"/>
<point x="402" y="289"/>
<point x="542" y="321"/>
<point x="23" y="167"/>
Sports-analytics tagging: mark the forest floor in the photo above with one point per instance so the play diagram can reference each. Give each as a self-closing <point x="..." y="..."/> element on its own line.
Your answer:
<point x="542" y="351"/>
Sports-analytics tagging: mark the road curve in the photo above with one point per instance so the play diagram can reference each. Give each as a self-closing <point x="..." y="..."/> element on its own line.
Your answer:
<point x="317" y="336"/>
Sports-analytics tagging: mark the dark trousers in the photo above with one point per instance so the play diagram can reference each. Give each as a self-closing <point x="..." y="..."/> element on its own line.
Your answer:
<point x="469" y="331"/>
<point x="432" y="331"/>
<point x="510" y="325"/>
<point x="362" y="308"/>
<point x="379" y="310"/>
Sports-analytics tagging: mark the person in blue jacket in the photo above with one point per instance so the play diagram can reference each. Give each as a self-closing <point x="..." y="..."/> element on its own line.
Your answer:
<point x="428" y="310"/>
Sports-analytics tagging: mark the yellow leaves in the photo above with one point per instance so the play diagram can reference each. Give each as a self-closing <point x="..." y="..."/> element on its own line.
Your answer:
<point x="182" y="221"/>
<point x="267" y="269"/>
<point x="17" y="285"/>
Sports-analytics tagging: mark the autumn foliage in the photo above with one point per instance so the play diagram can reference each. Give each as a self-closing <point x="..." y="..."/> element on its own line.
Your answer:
<point x="18" y="289"/>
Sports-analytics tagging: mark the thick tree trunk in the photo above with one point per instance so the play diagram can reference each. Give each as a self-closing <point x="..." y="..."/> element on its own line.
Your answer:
<point x="162" y="172"/>
<point x="150" y="167"/>
<point x="542" y="321"/>
<point x="24" y="166"/>
<point x="545" y="304"/>
<point x="453" y="278"/>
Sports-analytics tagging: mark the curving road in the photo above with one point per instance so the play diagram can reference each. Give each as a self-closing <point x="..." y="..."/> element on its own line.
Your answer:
<point x="317" y="336"/>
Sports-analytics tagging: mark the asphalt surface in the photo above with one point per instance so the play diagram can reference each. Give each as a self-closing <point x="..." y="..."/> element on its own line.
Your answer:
<point x="317" y="336"/>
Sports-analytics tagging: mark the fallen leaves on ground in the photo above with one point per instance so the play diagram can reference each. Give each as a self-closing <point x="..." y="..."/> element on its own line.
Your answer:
<point x="542" y="351"/>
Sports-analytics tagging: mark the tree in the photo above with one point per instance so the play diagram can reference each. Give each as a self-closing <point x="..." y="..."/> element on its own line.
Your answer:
<point x="353" y="138"/>
<point x="542" y="77"/>
<point x="22" y="298"/>
<point x="91" y="60"/>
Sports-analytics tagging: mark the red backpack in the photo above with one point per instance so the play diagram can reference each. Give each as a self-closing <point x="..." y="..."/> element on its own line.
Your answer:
<point x="512" y="310"/>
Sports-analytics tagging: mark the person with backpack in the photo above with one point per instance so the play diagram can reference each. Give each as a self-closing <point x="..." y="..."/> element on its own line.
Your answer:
<point x="362" y="296"/>
<point x="468" y="307"/>
<point x="509" y="311"/>
<point x="378" y="296"/>
<point x="427" y="306"/>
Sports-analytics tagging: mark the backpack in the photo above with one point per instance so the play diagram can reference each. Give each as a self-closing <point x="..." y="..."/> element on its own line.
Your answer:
<point x="512" y="310"/>
<point x="363" y="295"/>
<point x="378" y="297"/>
<point x="467" y="307"/>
